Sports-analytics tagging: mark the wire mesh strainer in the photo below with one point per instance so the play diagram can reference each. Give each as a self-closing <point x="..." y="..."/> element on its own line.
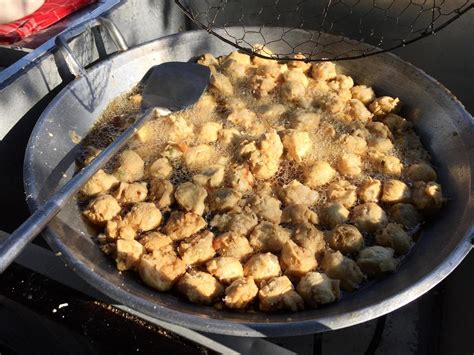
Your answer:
<point x="356" y="28"/>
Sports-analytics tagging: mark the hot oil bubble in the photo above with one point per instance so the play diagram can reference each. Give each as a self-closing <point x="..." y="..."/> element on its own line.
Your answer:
<point x="180" y="174"/>
<point x="288" y="171"/>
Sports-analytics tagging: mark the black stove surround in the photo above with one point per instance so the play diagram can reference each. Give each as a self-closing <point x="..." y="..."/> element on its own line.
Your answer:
<point x="44" y="308"/>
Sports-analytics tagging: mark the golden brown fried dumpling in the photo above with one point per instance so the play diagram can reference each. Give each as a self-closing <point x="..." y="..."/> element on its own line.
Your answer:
<point x="339" y="267"/>
<point x="161" y="192"/>
<point x="279" y="294"/>
<point x="102" y="209"/>
<point x="182" y="225"/>
<point x="263" y="155"/>
<point x="318" y="174"/>
<point x="198" y="248"/>
<point x="317" y="289"/>
<point x="200" y="156"/>
<point x="342" y="191"/>
<point x="144" y="216"/>
<point x="369" y="216"/>
<point x="266" y="207"/>
<point x="161" y="270"/>
<point x="240" y="293"/>
<point x="427" y="196"/>
<point x="349" y="164"/>
<point x="160" y="168"/>
<point x="323" y="71"/>
<point x="128" y="254"/>
<point x="101" y="182"/>
<point x="393" y="236"/>
<point x="376" y="260"/>
<point x="268" y="237"/>
<point x="240" y="223"/>
<point x="297" y="260"/>
<point x="334" y="213"/>
<point x="297" y="144"/>
<point x="200" y="287"/>
<point x="421" y="172"/>
<point x="384" y="105"/>
<point x="297" y="213"/>
<point x="241" y="178"/>
<point x="220" y="84"/>
<point x="395" y="191"/>
<point x="262" y="266"/>
<point x="156" y="242"/>
<point x="210" y="176"/>
<point x="353" y="144"/>
<point x="405" y="214"/>
<point x="131" y="193"/>
<point x="191" y="197"/>
<point x="225" y="268"/>
<point x="346" y="238"/>
<point x="297" y="193"/>
<point x="208" y="132"/>
<point x="363" y="93"/>
<point x="232" y="245"/>
<point x="130" y="168"/>
<point x="369" y="190"/>
<point x="309" y="237"/>
<point x="224" y="199"/>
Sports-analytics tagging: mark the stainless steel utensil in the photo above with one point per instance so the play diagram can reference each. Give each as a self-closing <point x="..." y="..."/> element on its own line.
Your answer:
<point x="169" y="87"/>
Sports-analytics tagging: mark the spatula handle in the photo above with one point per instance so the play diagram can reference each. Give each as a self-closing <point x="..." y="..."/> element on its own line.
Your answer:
<point x="27" y="231"/>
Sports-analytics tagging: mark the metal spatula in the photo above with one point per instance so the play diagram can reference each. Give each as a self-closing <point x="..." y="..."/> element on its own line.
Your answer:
<point x="169" y="87"/>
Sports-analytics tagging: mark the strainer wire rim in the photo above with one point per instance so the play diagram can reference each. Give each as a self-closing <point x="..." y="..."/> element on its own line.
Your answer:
<point x="376" y="51"/>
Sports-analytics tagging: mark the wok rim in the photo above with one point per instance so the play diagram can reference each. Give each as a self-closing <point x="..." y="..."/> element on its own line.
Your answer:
<point x="234" y="328"/>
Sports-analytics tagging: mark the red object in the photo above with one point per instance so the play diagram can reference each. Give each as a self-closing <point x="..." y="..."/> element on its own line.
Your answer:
<point x="51" y="12"/>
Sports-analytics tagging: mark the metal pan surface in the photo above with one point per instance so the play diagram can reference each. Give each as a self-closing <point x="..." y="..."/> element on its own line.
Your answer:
<point x="446" y="129"/>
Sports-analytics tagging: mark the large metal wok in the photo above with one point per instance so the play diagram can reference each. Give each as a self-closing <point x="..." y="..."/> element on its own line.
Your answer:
<point x="447" y="130"/>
